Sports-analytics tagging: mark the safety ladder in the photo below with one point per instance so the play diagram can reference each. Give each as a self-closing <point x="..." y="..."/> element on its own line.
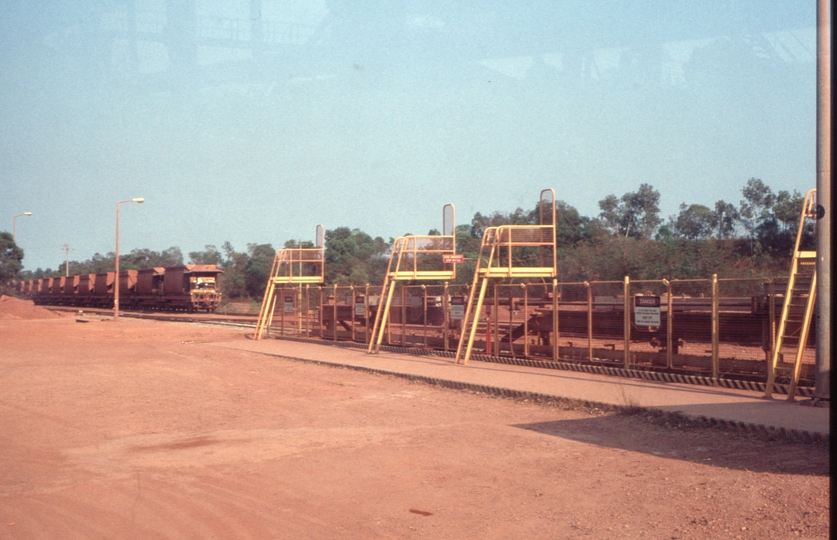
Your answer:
<point x="798" y="306"/>
<point x="416" y="258"/>
<point x="498" y="259"/>
<point x="291" y="266"/>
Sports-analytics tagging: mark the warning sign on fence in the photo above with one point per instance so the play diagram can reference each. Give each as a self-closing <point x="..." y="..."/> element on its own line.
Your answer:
<point x="289" y="304"/>
<point x="457" y="308"/>
<point x="647" y="310"/>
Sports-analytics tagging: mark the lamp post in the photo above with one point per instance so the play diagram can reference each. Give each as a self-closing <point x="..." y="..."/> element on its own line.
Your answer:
<point x="116" y="275"/>
<point x="14" y="224"/>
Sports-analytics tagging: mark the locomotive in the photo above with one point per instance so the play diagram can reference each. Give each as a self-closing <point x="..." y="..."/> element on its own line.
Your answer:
<point x="191" y="287"/>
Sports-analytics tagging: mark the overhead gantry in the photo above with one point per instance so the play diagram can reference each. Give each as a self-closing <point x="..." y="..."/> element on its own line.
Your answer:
<point x="291" y="266"/>
<point x="416" y="258"/>
<point x="503" y="255"/>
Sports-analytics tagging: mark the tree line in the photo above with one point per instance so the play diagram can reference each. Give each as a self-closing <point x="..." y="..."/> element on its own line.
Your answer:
<point x="628" y="237"/>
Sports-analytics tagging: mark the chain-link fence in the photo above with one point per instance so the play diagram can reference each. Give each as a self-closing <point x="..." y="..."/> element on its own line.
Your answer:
<point x="717" y="327"/>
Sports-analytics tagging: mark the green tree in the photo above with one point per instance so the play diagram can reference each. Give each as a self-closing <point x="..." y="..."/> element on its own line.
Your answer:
<point x="257" y="269"/>
<point x="11" y="257"/>
<point x="694" y="222"/>
<point x="233" y="282"/>
<point x="664" y="233"/>
<point x="209" y="255"/>
<point x="725" y="217"/>
<point x="352" y="257"/>
<point x="787" y="208"/>
<point x="519" y="217"/>
<point x="635" y="214"/>
<point x="571" y="228"/>
<point x="466" y="242"/>
<point x="756" y="204"/>
<point x="305" y="244"/>
<point x="170" y="257"/>
<point x="139" y="259"/>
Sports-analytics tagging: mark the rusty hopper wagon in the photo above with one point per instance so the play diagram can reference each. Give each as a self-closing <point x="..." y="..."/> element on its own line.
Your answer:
<point x="149" y="290"/>
<point x="57" y="289"/>
<point x="103" y="290"/>
<point x="84" y="290"/>
<point x="192" y="287"/>
<point x="70" y="289"/>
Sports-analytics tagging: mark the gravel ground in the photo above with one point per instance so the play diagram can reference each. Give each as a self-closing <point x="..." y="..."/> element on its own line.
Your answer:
<point x="141" y="429"/>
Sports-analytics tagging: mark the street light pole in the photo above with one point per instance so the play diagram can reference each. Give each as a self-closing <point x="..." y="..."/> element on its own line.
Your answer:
<point x="14" y="225"/>
<point x="116" y="274"/>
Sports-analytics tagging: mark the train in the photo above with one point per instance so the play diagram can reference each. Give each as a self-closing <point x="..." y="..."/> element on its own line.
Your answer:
<point x="191" y="287"/>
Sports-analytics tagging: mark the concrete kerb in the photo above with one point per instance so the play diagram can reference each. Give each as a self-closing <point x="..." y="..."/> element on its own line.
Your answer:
<point x="746" y="428"/>
<point x="646" y="375"/>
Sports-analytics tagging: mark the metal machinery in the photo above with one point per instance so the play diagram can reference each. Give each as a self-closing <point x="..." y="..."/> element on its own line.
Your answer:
<point x="416" y="258"/>
<point x="798" y="306"/>
<point x="499" y="258"/>
<point x="192" y="287"/>
<point x="299" y="265"/>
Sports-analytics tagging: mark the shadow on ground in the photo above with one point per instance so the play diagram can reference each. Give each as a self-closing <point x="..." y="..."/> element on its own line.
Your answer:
<point x="668" y="438"/>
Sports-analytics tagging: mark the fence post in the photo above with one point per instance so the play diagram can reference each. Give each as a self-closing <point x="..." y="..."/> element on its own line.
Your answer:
<point x="669" y="324"/>
<point x="299" y="310"/>
<point x="446" y="318"/>
<point x="771" y="299"/>
<point x="714" y="326"/>
<point x="589" y="321"/>
<point x="334" y="321"/>
<point x="282" y="313"/>
<point x="511" y="320"/>
<point x="424" y="311"/>
<point x="270" y="310"/>
<point x="366" y="316"/>
<point x="495" y="333"/>
<point x="555" y="340"/>
<point x="525" y="320"/>
<point x="626" y="292"/>
<point x="403" y="315"/>
<point x="352" y="303"/>
<point x="321" y="311"/>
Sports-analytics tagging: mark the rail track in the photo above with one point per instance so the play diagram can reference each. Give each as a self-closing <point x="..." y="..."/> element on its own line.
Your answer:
<point x="246" y="321"/>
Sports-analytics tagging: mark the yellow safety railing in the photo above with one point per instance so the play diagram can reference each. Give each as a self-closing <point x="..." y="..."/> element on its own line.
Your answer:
<point x="502" y="256"/>
<point x="416" y="258"/>
<point x="299" y="265"/>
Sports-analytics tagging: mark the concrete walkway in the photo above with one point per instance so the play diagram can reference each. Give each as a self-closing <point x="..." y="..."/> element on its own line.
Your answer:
<point x="740" y="410"/>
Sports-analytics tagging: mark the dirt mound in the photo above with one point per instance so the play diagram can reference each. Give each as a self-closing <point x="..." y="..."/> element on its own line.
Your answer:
<point x="14" y="308"/>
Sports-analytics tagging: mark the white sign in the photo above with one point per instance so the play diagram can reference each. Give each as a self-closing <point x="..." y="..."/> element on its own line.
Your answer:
<point x="457" y="308"/>
<point x="289" y="304"/>
<point x="647" y="310"/>
<point x="360" y="310"/>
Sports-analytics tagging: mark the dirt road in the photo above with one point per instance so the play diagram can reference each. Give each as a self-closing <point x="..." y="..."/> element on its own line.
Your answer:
<point x="146" y="430"/>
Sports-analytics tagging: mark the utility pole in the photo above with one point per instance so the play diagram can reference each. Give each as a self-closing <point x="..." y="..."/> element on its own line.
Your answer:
<point x="66" y="248"/>
<point x="822" y="383"/>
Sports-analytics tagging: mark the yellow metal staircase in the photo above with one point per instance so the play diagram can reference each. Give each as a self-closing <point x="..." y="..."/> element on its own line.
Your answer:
<point x="498" y="259"/>
<point x="294" y="266"/>
<point x="798" y="306"/>
<point x="416" y="258"/>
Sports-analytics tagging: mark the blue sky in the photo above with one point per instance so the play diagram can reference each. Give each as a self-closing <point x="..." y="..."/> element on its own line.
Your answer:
<point x="254" y="120"/>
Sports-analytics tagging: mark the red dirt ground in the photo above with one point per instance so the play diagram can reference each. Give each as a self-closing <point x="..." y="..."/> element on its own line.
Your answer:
<point x="146" y="430"/>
